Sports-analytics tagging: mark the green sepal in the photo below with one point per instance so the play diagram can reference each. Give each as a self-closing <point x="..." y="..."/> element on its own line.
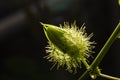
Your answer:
<point x="57" y="36"/>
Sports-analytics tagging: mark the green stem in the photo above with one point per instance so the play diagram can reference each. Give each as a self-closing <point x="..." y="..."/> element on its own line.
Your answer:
<point x="102" y="53"/>
<point x="85" y="62"/>
<point x="108" y="77"/>
<point x="85" y="75"/>
<point x="106" y="47"/>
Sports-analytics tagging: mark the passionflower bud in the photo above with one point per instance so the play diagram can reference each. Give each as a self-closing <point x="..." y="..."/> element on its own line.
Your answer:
<point x="67" y="45"/>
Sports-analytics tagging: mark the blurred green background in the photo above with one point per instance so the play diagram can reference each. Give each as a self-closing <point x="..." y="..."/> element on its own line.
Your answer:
<point x="22" y="40"/>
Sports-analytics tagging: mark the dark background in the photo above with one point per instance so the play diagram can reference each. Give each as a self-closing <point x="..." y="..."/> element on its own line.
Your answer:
<point x="22" y="40"/>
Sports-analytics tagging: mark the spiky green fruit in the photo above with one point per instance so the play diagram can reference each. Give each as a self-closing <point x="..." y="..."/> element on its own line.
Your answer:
<point x="68" y="45"/>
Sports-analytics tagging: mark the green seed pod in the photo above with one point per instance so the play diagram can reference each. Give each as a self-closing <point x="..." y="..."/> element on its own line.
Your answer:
<point x="67" y="45"/>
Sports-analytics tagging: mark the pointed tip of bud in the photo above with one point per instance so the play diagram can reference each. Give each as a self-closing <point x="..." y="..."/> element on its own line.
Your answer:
<point x="45" y="25"/>
<point x="42" y="24"/>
